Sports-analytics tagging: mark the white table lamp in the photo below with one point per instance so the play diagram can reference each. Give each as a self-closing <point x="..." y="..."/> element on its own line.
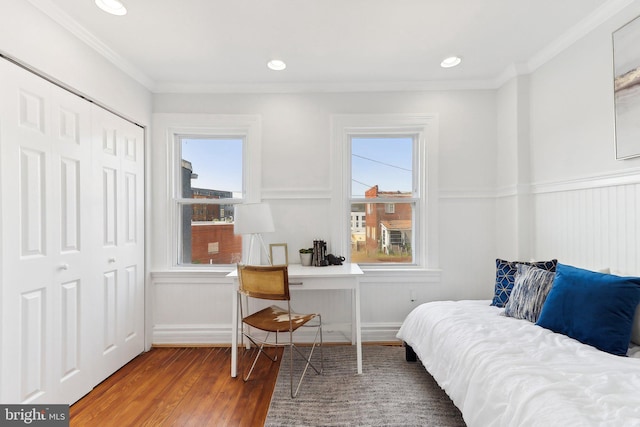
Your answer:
<point x="253" y="219"/>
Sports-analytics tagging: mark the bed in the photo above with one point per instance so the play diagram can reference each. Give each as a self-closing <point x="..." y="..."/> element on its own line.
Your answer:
<point x="506" y="371"/>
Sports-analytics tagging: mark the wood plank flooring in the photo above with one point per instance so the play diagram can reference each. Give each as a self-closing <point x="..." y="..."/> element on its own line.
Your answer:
<point x="187" y="386"/>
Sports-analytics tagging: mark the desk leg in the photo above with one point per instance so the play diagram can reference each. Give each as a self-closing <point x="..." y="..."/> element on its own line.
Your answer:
<point x="234" y="333"/>
<point x="358" y="327"/>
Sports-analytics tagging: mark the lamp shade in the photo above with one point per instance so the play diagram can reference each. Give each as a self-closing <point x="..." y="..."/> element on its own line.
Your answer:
<point x="253" y="218"/>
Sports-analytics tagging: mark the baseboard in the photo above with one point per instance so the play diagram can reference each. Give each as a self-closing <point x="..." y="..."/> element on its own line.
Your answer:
<point x="380" y="332"/>
<point x="194" y="335"/>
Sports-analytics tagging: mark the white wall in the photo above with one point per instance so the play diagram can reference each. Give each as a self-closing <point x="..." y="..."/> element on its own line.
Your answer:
<point x="507" y="167"/>
<point x="587" y="204"/>
<point x="296" y="180"/>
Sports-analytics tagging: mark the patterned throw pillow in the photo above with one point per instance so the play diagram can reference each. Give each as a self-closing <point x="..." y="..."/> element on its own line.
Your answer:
<point x="505" y="277"/>
<point x="530" y="290"/>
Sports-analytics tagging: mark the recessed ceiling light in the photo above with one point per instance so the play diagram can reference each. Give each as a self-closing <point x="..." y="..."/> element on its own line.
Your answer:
<point x="451" y="61"/>
<point x="276" y="65"/>
<point x="113" y="7"/>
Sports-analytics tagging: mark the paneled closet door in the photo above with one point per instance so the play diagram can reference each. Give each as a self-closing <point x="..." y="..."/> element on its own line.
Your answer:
<point x="119" y="168"/>
<point x="47" y="283"/>
<point x="72" y="242"/>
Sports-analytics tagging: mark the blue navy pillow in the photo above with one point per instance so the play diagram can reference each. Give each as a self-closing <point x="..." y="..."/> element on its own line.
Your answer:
<point x="505" y="277"/>
<point x="593" y="308"/>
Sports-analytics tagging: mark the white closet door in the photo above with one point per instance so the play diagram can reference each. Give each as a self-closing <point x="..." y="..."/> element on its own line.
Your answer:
<point x="46" y="295"/>
<point x="72" y="244"/>
<point x="119" y="168"/>
<point x="73" y="247"/>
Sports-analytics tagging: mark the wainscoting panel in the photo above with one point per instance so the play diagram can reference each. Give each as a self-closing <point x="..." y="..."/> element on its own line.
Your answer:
<point x="592" y="228"/>
<point x="190" y="308"/>
<point x="194" y="307"/>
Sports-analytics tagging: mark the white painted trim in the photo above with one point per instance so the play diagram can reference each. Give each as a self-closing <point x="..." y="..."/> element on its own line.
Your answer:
<point x="209" y="334"/>
<point x="169" y="125"/>
<point x="191" y="334"/>
<point x="566" y="40"/>
<point x="195" y="276"/>
<point x="426" y="127"/>
<point x="345" y="87"/>
<point x="575" y="33"/>
<point x="626" y="177"/>
<point x="380" y="332"/>
<point x="84" y="35"/>
<point x="511" y="72"/>
<point x="199" y="334"/>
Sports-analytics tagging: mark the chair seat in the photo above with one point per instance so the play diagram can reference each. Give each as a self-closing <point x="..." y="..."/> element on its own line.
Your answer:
<point x="276" y="319"/>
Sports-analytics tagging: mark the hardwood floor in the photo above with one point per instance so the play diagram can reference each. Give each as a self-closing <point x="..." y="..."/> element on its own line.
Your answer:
<point x="188" y="386"/>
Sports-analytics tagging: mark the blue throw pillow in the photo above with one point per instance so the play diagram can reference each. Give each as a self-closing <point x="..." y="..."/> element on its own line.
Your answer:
<point x="593" y="308"/>
<point x="505" y="277"/>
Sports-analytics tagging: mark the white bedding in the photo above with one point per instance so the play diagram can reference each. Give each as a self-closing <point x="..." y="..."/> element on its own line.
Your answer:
<point x="501" y="371"/>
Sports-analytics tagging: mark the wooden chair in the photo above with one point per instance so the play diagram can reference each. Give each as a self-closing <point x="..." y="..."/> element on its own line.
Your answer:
<point x="272" y="283"/>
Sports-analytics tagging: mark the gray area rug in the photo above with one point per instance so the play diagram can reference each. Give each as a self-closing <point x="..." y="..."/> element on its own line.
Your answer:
<point x="390" y="392"/>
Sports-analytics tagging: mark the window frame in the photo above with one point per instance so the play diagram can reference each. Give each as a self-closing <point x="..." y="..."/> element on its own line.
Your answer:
<point x="424" y="128"/>
<point x="181" y="202"/>
<point x="245" y="127"/>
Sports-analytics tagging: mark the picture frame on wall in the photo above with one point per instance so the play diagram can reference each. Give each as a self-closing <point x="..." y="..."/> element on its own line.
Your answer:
<point x="626" y="67"/>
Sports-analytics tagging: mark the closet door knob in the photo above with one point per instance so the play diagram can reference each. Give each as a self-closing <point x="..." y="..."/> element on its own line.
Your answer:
<point x="64" y="266"/>
<point x="112" y="260"/>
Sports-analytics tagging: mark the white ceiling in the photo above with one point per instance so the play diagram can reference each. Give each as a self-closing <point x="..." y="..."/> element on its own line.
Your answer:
<point x="222" y="46"/>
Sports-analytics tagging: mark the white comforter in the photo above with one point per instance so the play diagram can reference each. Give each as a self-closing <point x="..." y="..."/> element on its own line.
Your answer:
<point x="501" y="371"/>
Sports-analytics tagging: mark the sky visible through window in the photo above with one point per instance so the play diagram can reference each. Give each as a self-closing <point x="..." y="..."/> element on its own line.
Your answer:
<point x="382" y="161"/>
<point x="217" y="162"/>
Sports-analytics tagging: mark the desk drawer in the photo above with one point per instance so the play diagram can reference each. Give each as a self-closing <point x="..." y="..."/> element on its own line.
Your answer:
<point x="322" y="282"/>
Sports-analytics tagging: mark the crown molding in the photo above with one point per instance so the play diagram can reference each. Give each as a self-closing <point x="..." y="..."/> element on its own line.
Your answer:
<point x="84" y="35"/>
<point x="578" y="31"/>
<point x="317" y="87"/>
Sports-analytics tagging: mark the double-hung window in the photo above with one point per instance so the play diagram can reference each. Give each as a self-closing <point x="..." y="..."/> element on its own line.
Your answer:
<point x="210" y="185"/>
<point x="387" y="176"/>
<point x="384" y="184"/>
<point x="214" y="164"/>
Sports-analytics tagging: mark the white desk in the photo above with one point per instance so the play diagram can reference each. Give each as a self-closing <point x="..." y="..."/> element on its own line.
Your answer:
<point x="313" y="278"/>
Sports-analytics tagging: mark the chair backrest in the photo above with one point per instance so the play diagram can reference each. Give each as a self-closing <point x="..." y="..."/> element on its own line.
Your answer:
<point x="264" y="281"/>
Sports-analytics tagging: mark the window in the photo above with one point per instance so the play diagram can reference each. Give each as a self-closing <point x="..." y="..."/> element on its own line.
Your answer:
<point x="211" y="184"/>
<point x="382" y="175"/>
<point x="176" y="231"/>
<point x="388" y="171"/>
